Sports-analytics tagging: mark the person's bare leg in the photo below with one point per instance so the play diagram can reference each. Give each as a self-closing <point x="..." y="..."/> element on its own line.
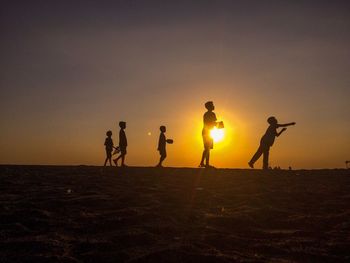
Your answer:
<point x="116" y="160"/>
<point x="207" y="158"/>
<point x="123" y="160"/>
<point x="204" y="155"/>
<point x="266" y="159"/>
<point x="162" y="158"/>
<point x="255" y="157"/>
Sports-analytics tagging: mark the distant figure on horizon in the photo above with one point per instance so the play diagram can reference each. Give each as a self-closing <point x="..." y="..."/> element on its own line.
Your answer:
<point x="209" y="122"/>
<point x="267" y="141"/>
<point x="109" y="147"/>
<point x="123" y="143"/>
<point x="162" y="145"/>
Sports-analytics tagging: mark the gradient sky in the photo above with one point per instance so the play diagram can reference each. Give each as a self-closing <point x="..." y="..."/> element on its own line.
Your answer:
<point x="70" y="70"/>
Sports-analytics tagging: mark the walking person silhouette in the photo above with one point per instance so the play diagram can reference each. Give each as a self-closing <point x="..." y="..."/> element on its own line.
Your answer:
<point x="209" y="122"/>
<point x="267" y="141"/>
<point x="109" y="147"/>
<point x="123" y="143"/>
<point x="162" y="145"/>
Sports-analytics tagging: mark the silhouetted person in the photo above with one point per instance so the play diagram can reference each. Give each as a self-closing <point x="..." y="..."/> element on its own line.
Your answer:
<point x="109" y="148"/>
<point x="209" y="122"/>
<point x="267" y="141"/>
<point x="162" y="145"/>
<point x="123" y="143"/>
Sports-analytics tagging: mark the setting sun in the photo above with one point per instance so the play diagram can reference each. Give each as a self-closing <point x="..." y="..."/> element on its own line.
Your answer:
<point x="217" y="134"/>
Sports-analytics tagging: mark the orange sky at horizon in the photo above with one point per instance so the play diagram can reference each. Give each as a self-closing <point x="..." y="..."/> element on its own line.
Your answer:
<point x="240" y="143"/>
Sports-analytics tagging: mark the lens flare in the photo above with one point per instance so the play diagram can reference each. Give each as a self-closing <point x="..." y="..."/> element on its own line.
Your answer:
<point x="217" y="134"/>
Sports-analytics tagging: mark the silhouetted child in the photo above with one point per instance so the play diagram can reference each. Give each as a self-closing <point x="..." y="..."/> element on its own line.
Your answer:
<point x="162" y="145"/>
<point x="209" y="122"/>
<point x="267" y="141"/>
<point x="109" y="148"/>
<point x="123" y="143"/>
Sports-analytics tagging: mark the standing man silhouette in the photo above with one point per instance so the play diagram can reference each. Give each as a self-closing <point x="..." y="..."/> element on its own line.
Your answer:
<point x="123" y="143"/>
<point x="267" y="141"/>
<point x="209" y="122"/>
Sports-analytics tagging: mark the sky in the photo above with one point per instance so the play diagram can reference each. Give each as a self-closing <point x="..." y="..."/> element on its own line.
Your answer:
<point x="71" y="70"/>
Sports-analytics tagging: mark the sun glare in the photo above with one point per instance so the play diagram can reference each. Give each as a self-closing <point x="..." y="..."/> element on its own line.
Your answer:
<point x="217" y="134"/>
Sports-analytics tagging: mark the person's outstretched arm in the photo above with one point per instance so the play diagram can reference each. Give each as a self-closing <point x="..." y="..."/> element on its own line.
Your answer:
<point x="279" y="133"/>
<point x="286" y="124"/>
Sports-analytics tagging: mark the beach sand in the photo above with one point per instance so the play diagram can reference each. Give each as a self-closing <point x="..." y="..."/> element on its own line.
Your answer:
<point x="77" y="214"/>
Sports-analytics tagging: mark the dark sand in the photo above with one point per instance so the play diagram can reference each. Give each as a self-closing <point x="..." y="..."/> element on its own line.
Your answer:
<point x="75" y="214"/>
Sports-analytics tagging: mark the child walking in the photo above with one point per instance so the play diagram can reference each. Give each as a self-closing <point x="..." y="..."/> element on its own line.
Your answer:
<point x="267" y="141"/>
<point x="109" y="147"/>
<point x="162" y="145"/>
<point x="123" y="143"/>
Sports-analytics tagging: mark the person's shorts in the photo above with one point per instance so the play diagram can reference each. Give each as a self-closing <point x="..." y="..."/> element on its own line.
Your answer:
<point x="264" y="147"/>
<point x="208" y="141"/>
<point x="123" y="150"/>
<point x="162" y="153"/>
<point x="108" y="153"/>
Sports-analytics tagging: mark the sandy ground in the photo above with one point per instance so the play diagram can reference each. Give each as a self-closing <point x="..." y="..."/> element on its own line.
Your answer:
<point x="75" y="214"/>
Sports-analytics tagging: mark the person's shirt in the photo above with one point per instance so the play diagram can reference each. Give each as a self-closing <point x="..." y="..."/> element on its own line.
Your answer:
<point x="109" y="143"/>
<point x="270" y="135"/>
<point x="209" y="121"/>
<point x="161" y="142"/>
<point x="123" y="142"/>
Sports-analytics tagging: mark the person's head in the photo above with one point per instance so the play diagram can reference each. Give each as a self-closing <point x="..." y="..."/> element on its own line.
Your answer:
<point x="109" y="133"/>
<point x="209" y="105"/>
<point x="122" y="124"/>
<point x="162" y="128"/>
<point x="272" y="120"/>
